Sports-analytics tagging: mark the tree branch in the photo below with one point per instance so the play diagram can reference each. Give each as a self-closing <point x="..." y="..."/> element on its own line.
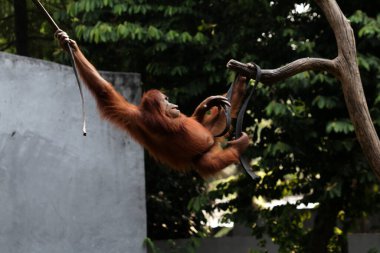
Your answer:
<point x="270" y="76"/>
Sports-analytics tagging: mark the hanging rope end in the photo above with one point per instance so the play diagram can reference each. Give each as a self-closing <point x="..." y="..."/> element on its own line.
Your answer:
<point x="84" y="128"/>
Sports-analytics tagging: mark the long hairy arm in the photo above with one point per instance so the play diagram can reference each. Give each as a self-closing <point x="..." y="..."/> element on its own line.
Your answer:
<point x="112" y="105"/>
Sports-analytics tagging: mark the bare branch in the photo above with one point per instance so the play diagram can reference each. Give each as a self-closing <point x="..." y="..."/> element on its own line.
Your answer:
<point x="274" y="75"/>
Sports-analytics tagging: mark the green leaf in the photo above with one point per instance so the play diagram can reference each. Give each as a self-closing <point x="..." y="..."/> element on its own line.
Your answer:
<point x="177" y="71"/>
<point x="171" y="36"/>
<point x="368" y="62"/>
<point x="223" y="232"/>
<point x="276" y="109"/>
<point x="200" y="38"/>
<point x="339" y="126"/>
<point x="186" y="37"/>
<point x="160" y="47"/>
<point x="122" y="30"/>
<point x="119" y="9"/>
<point x="150" y="245"/>
<point x="323" y="102"/>
<point x="196" y="203"/>
<point x="277" y="148"/>
<point x="363" y="63"/>
<point x="334" y="190"/>
<point x="154" y="33"/>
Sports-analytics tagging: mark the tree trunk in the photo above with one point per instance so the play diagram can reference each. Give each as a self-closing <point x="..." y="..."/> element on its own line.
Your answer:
<point x="351" y="83"/>
<point x="21" y="27"/>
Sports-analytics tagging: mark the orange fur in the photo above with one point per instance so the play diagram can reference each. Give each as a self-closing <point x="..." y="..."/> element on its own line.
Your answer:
<point x="183" y="143"/>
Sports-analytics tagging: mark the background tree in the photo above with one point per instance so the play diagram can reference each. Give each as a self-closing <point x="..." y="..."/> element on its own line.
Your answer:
<point x="305" y="145"/>
<point x="7" y="24"/>
<point x="303" y="140"/>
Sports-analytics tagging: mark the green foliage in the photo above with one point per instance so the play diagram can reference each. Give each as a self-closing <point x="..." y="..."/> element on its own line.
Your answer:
<point x="303" y="140"/>
<point x="325" y="102"/>
<point x="103" y="32"/>
<point x="276" y="149"/>
<point x="7" y="35"/>
<point x="189" y="247"/>
<point x="168" y="195"/>
<point x="309" y="147"/>
<point x="197" y="203"/>
<point x="150" y="245"/>
<point x="164" y="36"/>
<point x="339" y="126"/>
<point x="368" y="62"/>
<point x="370" y="27"/>
<point x="276" y="109"/>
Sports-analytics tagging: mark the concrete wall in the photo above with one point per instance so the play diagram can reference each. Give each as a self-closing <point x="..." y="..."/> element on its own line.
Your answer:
<point x="364" y="243"/>
<point x="61" y="192"/>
